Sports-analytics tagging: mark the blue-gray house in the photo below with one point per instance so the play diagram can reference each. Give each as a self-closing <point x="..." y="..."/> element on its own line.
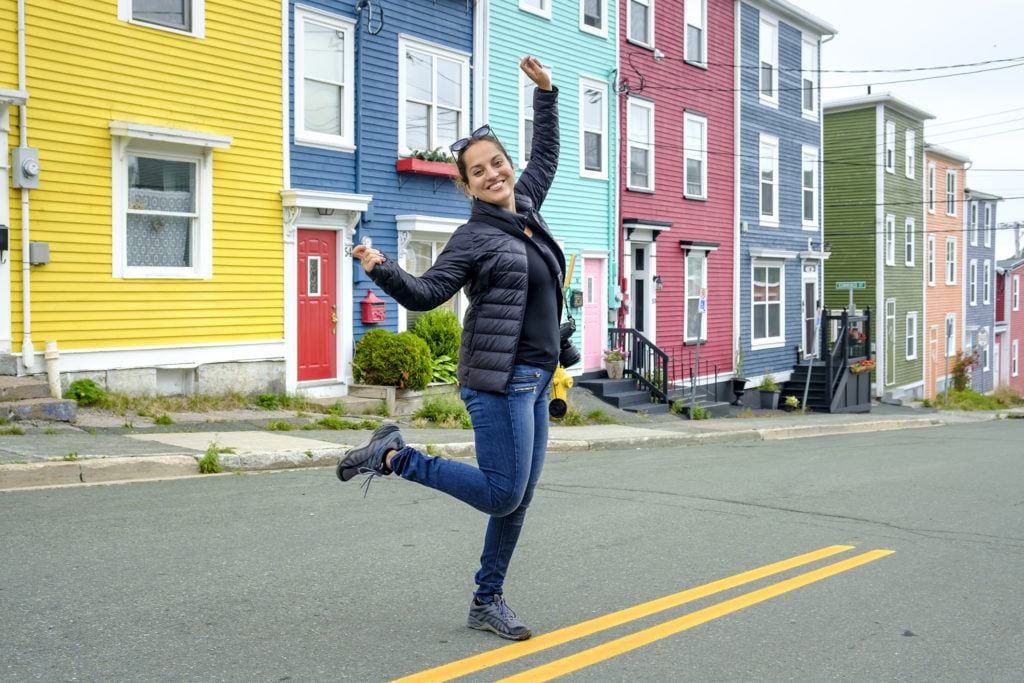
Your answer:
<point x="781" y="256"/>
<point x="979" y="265"/>
<point x="369" y="83"/>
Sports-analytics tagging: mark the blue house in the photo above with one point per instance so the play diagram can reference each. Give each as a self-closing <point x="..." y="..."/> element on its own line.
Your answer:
<point x="369" y="83"/>
<point x="578" y="41"/>
<point x="781" y="254"/>
<point x="980" y="284"/>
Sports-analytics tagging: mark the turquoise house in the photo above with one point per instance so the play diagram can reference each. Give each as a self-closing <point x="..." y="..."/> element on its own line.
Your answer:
<point x="577" y="40"/>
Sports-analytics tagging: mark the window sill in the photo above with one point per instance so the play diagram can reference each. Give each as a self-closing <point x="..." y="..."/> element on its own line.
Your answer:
<point x="695" y="197"/>
<point x="639" y="44"/>
<point x="428" y="168"/>
<point x="700" y="65"/>
<point x="764" y="222"/>
<point x="643" y="190"/>
<point x="768" y="344"/>
<point x="774" y="104"/>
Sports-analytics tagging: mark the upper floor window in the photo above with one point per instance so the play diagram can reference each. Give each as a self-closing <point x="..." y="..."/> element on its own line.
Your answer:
<point x="986" y="285"/>
<point x="1015" y="358"/>
<point x="695" y="39"/>
<point x="184" y="16"/>
<point x="808" y="78"/>
<point x="890" y="240"/>
<point x="539" y="7"/>
<point x="931" y="188"/>
<point x="930" y="258"/>
<point x="433" y="85"/>
<point x="950" y="192"/>
<point x="911" y="141"/>
<point x="974" y="224"/>
<point x="640" y="22"/>
<point x="769" y="180"/>
<point x="594" y="129"/>
<point x="768" y="49"/>
<point x="695" y="154"/>
<point x="809" y="182"/>
<point x="950" y="260"/>
<point x="640" y="134"/>
<point x="1015" y="296"/>
<point x="972" y="282"/>
<point x="592" y="17"/>
<point x="988" y="225"/>
<point x="526" y="90"/>
<point x="324" y="96"/>
<point x="908" y="241"/>
<point x="890" y="146"/>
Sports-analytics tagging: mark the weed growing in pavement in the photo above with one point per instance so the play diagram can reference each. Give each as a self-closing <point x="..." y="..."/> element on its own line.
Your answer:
<point x="332" y="422"/>
<point x="90" y="430"/>
<point x="49" y="431"/>
<point x="433" y="450"/>
<point x="210" y="462"/>
<point x="968" y="399"/>
<point x="70" y="457"/>
<point x="279" y="426"/>
<point x="20" y="462"/>
<point x="85" y="392"/>
<point x="599" y="417"/>
<point x="164" y="420"/>
<point x="381" y="409"/>
<point x="339" y="408"/>
<point x="443" y="411"/>
<point x="12" y="431"/>
<point x="746" y="412"/>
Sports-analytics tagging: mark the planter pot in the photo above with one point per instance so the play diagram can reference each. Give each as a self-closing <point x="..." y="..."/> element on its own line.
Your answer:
<point x="739" y="387"/>
<point x="615" y="368"/>
<point x="769" y="400"/>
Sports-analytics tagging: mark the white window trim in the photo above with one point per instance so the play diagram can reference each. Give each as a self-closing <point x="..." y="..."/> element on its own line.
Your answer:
<point x="950" y="262"/>
<point x="649" y="41"/>
<point x="346" y="142"/>
<point x="909" y="240"/>
<point x="124" y="13"/>
<point x="1015" y="358"/>
<point x="909" y="153"/>
<point x="931" y="187"/>
<point x="167" y="143"/>
<point x="972" y="281"/>
<point x="769" y="342"/>
<point x="986" y="285"/>
<point x="889" y="154"/>
<point x="986" y="356"/>
<point x="543" y="11"/>
<point x="930" y="261"/>
<point x="772" y="101"/>
<point x="599" y="32"/>
<point x="770" y="220"/>
<point x="949" y="343"/>
<point x="649" y="106"/>
<point x="988" y="225"/>
<point x="808" y="47"/>
<point x="587" y="83"/>
<point x="424" y="228"/>
<point x="703" y="61"/>
<point x="890" y="240"/>
<point x="703" y="254"/>
<point x="973" y="225"/>
<point x="911" y="333"/>
<point x="809" y="154"/>
<point x="950" y="192"/>
<point x="406" y="42"/>
<point x="688" y="154"/>
<point x="1016" y="293"/>
<point x="524" y="82"/>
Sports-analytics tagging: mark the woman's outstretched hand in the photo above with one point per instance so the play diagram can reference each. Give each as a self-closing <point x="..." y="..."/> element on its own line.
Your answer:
<point x="368" y="256"/>
<point x="532" y="67"/>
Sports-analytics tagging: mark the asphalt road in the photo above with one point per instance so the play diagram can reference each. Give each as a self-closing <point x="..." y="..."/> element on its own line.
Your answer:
<point x="294" y="576"/>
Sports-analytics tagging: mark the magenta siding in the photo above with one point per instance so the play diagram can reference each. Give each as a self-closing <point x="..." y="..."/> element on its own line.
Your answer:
<point x="676" y="87"/>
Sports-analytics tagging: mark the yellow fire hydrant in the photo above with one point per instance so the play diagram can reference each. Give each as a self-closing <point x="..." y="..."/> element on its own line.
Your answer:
<point x="560" y="384"/>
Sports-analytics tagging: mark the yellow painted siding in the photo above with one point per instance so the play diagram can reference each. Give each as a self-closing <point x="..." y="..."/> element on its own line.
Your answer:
<point x="85" y="68"/>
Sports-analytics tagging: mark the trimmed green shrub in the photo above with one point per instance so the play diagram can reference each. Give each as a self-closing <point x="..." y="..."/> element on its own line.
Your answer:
<point x="85" y="392"/>
<point x="402" y="360"/>
<point x="441" y="330"/>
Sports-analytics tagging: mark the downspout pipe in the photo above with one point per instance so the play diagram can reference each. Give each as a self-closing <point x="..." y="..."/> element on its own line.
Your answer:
<point x="28" y="353"/>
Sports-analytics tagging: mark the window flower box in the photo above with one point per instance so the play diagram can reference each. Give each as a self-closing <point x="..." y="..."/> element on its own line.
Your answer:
<point x="442" y="169"/>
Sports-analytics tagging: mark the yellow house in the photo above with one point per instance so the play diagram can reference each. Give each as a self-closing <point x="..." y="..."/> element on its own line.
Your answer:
<point x="144" y="162"/>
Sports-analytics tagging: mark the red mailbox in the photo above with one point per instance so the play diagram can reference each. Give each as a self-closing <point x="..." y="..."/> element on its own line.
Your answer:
<point x="373" y="308"/>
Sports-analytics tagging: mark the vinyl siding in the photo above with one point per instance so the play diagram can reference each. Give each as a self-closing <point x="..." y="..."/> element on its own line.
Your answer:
<point x="677" y="87"/>
<point x="980" y="315"/>
<point x="228" y="83"/>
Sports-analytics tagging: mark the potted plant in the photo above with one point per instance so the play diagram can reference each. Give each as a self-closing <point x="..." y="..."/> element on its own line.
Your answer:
<point x="862" y="366"/>
<point x="615" y="362"/>
<point x="791" y="404"/>
<point x="769" y="389"/>
<point x="739" y="381"/>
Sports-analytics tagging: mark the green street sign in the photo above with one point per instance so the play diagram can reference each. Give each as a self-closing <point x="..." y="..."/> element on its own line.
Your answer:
<point x="860" y="284"/>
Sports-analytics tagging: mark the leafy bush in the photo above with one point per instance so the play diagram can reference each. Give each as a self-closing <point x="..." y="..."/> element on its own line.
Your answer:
<point x="444" y="370"/>
<point x="402" y="360"/>
<point x="963" y="363"/>
<point x="443" y="410"/>
<point x="268" y="401"/>
<point x="85" y="391"/>
<point x="441" y="330"/>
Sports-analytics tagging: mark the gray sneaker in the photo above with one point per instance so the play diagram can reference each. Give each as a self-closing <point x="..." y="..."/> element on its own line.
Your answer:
<point x="498" y="618"/>
<point x="369" y="457"/>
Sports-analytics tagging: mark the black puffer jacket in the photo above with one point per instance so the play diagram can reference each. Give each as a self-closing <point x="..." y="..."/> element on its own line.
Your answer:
<point x="487" y="255"/>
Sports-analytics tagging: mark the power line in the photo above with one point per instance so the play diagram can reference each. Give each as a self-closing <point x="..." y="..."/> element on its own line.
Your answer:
<point x="907" y="69"/>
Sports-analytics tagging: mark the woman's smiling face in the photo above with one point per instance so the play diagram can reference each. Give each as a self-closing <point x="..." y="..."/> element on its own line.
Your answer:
<point x="490" y="174"/>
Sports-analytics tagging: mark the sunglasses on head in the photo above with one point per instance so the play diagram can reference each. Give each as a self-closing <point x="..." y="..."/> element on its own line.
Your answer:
<point x="483" y="131"/>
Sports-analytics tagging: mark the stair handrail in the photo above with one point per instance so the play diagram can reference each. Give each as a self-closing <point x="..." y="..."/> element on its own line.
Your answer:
<point x="645" y="362"/>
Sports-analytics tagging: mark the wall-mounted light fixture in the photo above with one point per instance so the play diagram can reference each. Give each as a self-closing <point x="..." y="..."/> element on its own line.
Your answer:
<point x="827" y="246"/>
<point x="658" y="284"/>
<point x="321" y="211"/>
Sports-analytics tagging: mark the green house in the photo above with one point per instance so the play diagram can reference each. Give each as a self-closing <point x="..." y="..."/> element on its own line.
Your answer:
<point x="874" y="220"/>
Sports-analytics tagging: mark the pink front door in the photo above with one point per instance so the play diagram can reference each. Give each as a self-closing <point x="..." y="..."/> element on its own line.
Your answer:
<point x="318" y="306"/>
<point x="594" y="321"/>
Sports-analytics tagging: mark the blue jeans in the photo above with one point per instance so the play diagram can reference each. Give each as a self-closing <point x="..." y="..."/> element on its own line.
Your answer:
<point x="511" y="434"/>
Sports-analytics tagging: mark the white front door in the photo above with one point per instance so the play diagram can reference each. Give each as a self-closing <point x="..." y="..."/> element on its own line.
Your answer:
<point x="810" y="310"/>
<point x="890" y="342"/>
<point x="641" y="298"/>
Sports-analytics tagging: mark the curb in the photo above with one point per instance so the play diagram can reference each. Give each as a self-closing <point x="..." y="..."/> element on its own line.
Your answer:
<point x="126" y="469"/>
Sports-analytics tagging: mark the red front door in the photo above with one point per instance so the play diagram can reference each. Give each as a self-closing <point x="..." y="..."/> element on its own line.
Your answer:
<point x="318" y="305"/>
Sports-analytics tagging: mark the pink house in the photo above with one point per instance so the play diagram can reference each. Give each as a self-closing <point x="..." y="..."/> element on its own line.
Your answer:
<point x="677" y="200"/>
<point x="1009" y="327"/>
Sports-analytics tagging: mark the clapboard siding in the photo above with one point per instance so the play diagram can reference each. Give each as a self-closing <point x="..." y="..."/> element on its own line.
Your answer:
<point x="79" y="80"/>
<point x="981" y="315"/>
<point x="677" y="87"/>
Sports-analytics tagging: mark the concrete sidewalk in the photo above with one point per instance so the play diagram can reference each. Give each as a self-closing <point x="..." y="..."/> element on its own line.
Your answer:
<point x="105" y="449"/>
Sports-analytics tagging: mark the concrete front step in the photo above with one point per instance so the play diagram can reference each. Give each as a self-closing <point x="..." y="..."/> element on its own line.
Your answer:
<point x="20" y="388"/>
<point x="53" y="409"/>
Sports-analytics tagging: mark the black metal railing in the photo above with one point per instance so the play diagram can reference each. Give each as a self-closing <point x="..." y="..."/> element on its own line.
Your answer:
<point x="645" y="362"/>
<point x="844" y="338"/>
<point x="686" y="374"/>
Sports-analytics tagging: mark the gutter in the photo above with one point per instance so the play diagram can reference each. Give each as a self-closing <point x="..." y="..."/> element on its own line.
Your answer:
<point x="27" y="351"/>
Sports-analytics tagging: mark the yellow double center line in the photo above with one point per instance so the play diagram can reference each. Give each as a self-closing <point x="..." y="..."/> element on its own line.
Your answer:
<point x="619" y="646"/>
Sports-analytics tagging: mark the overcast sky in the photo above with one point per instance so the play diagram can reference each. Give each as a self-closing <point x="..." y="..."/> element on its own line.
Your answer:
<point x="888" y="34"/>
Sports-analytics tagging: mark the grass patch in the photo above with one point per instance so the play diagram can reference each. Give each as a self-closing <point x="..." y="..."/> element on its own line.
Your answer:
<point x="337" y="423"/>
<point x="574" y="418"/>
<point x="444" y="411"/>
<point x="380" y="409"/>
<point x="210" y="462"/>
<point x="746" y="413"/>
<point x="12" y="431"/>
<point x="279" y="426"/>
<point x="70" y="457"/>
<point x="339" y="408"/>
<point x="49" y="431"/>
<point x="599" y="417"/>
<point x="164" y="420"/>
<point x="968" y="399"/>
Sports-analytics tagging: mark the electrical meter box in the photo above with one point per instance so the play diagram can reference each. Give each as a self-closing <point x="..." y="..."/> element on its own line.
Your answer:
<point x="25" y="167"/>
